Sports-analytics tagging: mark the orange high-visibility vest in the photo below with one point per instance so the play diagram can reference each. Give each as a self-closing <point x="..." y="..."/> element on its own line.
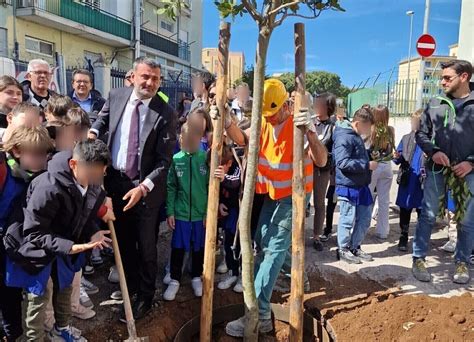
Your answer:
<point x="275" y="162"/>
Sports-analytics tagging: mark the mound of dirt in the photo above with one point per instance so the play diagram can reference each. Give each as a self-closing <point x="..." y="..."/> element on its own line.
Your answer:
<point x="408" y="318"/>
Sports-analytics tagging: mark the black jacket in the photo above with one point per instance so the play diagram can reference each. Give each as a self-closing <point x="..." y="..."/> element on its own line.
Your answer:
<point x="55" y="216"/>
<point x="157" y="138"/>
<point x="26" y="92"/>
<point x="97" y="103"/>
<point x="443" y="128"/>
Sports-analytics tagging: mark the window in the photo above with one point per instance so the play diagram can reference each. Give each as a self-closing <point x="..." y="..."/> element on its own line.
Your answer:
<point x="428" y="64"/>
<point x="3" y="42"/>
<point x="39" y="46"/>
<point x="167" y="26"/>
<point x="95" y="4"/>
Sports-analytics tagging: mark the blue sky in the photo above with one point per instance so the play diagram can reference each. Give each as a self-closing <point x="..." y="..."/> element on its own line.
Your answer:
<point x="370" y="37"/>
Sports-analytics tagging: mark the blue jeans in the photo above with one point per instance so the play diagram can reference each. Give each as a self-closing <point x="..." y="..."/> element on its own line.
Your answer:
<point x="273" y="237"/>
<point x="433" y="188"/>
<point x="352" y="217"/>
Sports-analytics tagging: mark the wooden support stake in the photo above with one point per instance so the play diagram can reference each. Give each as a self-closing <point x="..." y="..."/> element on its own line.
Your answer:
<point x="214" y="186"/>
<point x="299" y="194"/>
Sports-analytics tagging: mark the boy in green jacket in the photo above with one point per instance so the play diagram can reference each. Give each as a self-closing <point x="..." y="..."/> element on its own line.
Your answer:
<point x="186" y="203"/>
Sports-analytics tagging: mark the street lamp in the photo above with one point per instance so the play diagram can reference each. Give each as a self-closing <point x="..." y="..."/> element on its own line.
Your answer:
<point x="407" y="87"/>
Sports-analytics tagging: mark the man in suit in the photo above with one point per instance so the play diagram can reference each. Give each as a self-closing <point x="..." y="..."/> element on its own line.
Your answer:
<point x="142" y="136"/>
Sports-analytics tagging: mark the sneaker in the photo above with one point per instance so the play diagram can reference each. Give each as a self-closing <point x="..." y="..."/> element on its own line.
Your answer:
<point x="81" y="312"/>
<point x="69" y="334"/>
<point x="236" y="328"/>
<point x="107" y="251"/>
<point x="324" y="237"/>
<point x="419" y="271"/>
<point x="116" y="295"/>
<point x="227" y="282"/>
<point x="317" y="245"/>
<point x="222" y="268"/>
<point x="403" y="243"/>
<point x="84" y="298"/>
<point x="89" y="287"/>
<point x="346" y="255"/>
<point x="171" y="290"/>
<point x="113" y="275"/>
<point x="449" y="247"/>
<point x="238" y="286"/>
<point x="96" y="259"/>
<point x="196" y="283"/>
<point x="167" y="279"/>
<point x="461" y="275"/>
<point x="471" y="259"/>
<point x="88" y="270"/>
<point x="362" y="255"/>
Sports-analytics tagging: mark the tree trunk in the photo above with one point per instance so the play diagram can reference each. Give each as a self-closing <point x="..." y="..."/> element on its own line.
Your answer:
<point x="298" y="196"/>
<point x="250" y="299"/>
<point x="214" y="186"/>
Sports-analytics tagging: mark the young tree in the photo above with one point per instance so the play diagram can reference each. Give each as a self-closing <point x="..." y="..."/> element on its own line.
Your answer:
<point x="268" y="15"/>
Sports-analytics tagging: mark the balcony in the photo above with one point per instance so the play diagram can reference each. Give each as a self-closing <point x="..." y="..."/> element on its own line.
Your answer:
<point x="77" y="18"/>
<point x="158" y="42"/>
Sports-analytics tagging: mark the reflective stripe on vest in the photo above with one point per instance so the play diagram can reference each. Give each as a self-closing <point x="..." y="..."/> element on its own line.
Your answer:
<point x="275" y="163"/>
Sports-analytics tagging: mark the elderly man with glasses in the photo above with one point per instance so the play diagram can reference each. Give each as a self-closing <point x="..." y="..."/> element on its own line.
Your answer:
<point x="36" y="86"/>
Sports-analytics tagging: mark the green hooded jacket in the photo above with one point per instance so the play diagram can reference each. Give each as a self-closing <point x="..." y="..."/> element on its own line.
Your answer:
<point x="188" y="180"/>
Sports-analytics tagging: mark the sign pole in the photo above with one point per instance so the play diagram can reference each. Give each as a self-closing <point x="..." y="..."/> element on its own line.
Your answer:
<point x="421" y="76"/>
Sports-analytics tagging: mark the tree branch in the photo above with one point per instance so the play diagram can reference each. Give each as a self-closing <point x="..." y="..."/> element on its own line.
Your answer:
<point x="252" y="11"/>
<point x="284" y="6"/>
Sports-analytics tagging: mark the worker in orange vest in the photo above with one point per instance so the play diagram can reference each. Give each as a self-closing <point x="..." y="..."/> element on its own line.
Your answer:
<point x="275" y="172"/>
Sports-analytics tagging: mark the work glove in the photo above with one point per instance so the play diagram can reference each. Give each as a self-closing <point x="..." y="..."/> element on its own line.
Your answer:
<point x="303" y="120"/>
<point x="215" y="115"/>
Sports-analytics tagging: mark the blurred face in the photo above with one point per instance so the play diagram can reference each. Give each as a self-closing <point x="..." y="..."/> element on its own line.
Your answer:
<point x="198" y="86"/>
<point x="190" y="142"/>
<point x="362" y="128"/>
<point x="65" y="138"/>
<point x="278" y="117"/>
<point x="321" y="109"/>
<point x="40" y="77"/>
<point x="31" y="160"/>
<point x="451" y="81"/>
<point x="243" y="94"/>
<point x="212" y="95"/>
<point x="146" y="81"/>
<point x="231" y="94"/>
<point x="10" y="97"/>
<point x="415" y="124"/>
<point x="82" y="85"/>
<point x="197" y="122"/>
<point x="87" y="173"/>
<point x="28" y="119"/>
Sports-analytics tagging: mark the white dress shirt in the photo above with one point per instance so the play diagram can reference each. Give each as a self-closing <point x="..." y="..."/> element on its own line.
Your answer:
<point x="120" y="140"/>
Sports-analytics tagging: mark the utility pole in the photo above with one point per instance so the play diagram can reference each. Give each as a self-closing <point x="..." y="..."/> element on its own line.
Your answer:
<point x="421" y="76"/>
<point x="137" y="20"/>
<point x="407" y="85"/>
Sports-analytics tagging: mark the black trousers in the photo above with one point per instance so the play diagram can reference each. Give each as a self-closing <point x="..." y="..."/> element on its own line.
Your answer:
<point x="10" y="305"/>
<point x="405" y="217"/>
<point x="330" y="208"/>
<point x="137" y="234"/>
<point x="231" y="256"/>
<point x="176" y="263"/>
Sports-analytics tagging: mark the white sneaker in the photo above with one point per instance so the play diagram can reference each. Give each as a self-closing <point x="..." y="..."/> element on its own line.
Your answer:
<point x="196" y="283"/>
<point x="227" y="282"/>
<point x="236" y="328"/>
<point x="167" y="279"/>
<point x="222" y="268"/>
<point x="81" y="312"/>
<point x="88" y="270"/>
<point x="171" y="290"/>
<point x="88" y="286"/>
<point x="113" y="275"/>
<point x="238" y="287"/>
<point x="116" y="295"/>
<point x="84" y="298"/>
<point x="449" y="247"/>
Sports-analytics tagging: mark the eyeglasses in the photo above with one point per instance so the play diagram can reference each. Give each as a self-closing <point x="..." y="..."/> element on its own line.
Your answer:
<point x="41" y="73"/>
<point x="449" y="78"/>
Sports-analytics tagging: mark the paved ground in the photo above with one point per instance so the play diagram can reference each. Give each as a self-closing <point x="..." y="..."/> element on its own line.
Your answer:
<point x="391" y="266"/>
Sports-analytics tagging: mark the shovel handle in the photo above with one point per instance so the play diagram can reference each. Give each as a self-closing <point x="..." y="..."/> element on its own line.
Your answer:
<point x="132" y="331"/>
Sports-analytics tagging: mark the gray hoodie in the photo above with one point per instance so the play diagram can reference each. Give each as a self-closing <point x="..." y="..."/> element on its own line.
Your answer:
<point x="443" y="128"/>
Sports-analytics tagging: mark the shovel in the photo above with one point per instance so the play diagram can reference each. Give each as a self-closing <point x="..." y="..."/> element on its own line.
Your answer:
<point x="132" y="330"/>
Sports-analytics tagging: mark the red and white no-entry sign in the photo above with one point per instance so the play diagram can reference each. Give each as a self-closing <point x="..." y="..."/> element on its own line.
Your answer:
<point x="426" y="45"/>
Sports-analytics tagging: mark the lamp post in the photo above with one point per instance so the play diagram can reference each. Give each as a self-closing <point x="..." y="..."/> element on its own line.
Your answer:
<point x="407" y="86"/>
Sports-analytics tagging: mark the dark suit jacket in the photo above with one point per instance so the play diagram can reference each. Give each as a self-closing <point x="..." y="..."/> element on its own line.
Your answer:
<point x="157" y="139"/>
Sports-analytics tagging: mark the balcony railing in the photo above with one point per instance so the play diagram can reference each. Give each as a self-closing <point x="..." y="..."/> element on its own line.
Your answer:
<point x="158" y="42"/>
<point x="82" y="13"/>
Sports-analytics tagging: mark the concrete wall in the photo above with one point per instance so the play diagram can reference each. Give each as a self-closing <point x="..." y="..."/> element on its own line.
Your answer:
<point x="195" y="33"/>
<point x="466" y="29"/>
